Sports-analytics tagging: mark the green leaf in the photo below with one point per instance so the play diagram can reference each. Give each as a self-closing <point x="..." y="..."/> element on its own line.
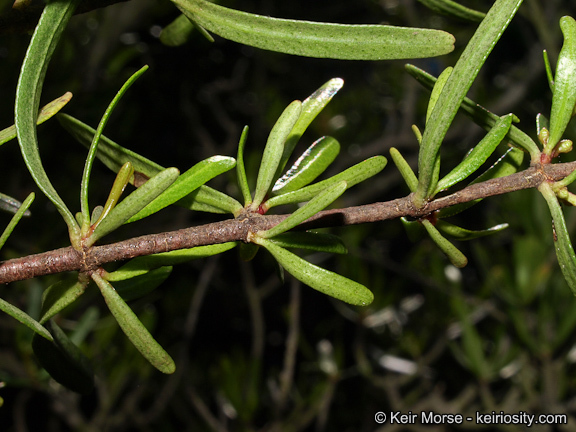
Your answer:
<point x="488" y="33"/>
<point x="481" y="115"/>
<point x="134" y="329"/>
<point x="138" y="286"/>
<point x="311" y="107"/>
<point x="562" y="243"/>
<point x="456" y="257"/>
<point x="308" y="166"/>
<point x="478" y="155"/>
<point x="110" y="153"/>
<point x="25" y="319"/>
<point x="451" y="8"/>
<point x="141" y="265"/>
<point x="210" y="200"/>
<point x="352" y="176"/>
<point x="273" y="151"/>
<point x="548" y="68"/>
<point x="310" y="240"/>
<point x="48" y="111"/>
<point x="123" y="177"/>
<point x="59" y="295"/>
<point x="22" y="210"/>
<point x="133" y="203"/>
<point x="186" y="183"/>
<point x="325" y="281"/>
<point x="437" y="90"/>
<point x="564" y="95"/>
<point x="46" y="36"/>
<point x="247" y="251"/>
<point x="465" y="234"/>
<point x="509" y="163"/>
<point x="85" y="209"/>
<point x="177" y="32"/>
<point x="316" y="204"/>
<point x="322" y="40"/>
<point x="404" y="168"/>
<point x="241" y="169"/>
<point x="64" y="361"/>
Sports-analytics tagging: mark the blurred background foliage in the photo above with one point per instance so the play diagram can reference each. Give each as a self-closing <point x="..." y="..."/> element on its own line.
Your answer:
<point x="255" y="354"/>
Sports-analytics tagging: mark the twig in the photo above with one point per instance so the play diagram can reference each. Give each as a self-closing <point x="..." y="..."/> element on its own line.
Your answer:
<point x="69" y="259"/>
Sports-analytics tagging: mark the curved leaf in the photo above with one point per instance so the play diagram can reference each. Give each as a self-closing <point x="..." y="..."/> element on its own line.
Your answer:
<point x="177" y="32"/>
<point x="134" y="329"/>
<point x="241" y="169"/>
<point x="123" y="177"/>
<point x="311" y="39"/>
<point x="42" y="45"/>
<point x="311" y="107"/>
<point x="25" y="319"/>
<point x="404" y="168"/>
<point x="352" y="176"/>
<point x="94" y="146"/>
<point x="308" y="166"/>
<point x="186" y="183"/>
<point x="318" y="278"/>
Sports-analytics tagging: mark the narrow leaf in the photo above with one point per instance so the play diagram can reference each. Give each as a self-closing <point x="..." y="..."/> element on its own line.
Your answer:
<point x="133" y="203"/>
<point x="451" y="8"/>
<point x="25" y="319"/>
<point x="186" y="183"/>
<point x="488" y="33"/>
<point x="562" y="243"/>
<point x="48" y="111"/>
<point x="564" y="95"/>
<point x="123" y="177"/>
<point x="10" y="205"/>
<point x="134" y="329"/>
<point x="60" y="295"/>
<point x="316" y="204"/>
<point x="94" y="146"/>
<point x="22" y="210"/>
<point x="241" y="169"/>
<point x="310" y="240"/>
<point x="274" y="149"/>
<point x="141" y="265"/>
<point x="308" y="166"/>
<point x="325" y="281"/>
<point x="352" y="176"/>
<point x="460" y="233"/>
<point x="322" y="40"/>
<point x="405" y="169"/>
<point x="46" y="36"/>
<point x="311" y="107"/>
<point x="548" y="68"/>
<point x="437" y="90"/>
<point x="138" y="286"/>
<point x="478" y="155"/>
<point x="210" y="200"/>
<point x="456" y="257"/>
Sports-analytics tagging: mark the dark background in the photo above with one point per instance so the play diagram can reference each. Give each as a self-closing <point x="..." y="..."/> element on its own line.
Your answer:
<point x="496" y="335"/>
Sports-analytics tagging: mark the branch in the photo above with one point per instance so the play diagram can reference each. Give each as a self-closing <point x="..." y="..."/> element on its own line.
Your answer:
<point x="70" y="259"/>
